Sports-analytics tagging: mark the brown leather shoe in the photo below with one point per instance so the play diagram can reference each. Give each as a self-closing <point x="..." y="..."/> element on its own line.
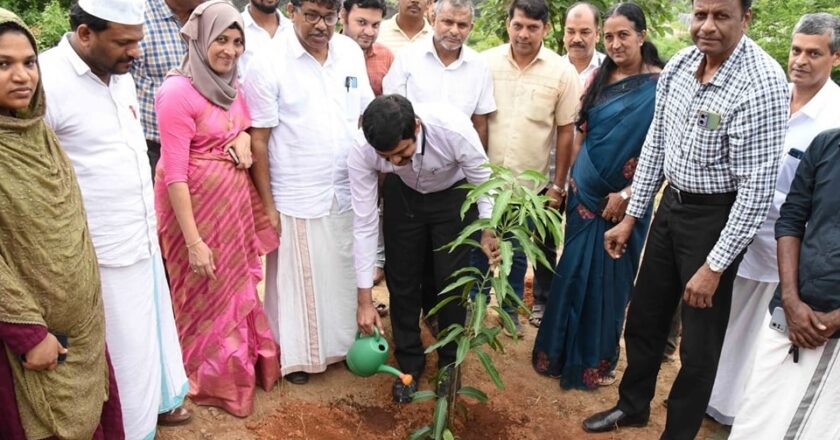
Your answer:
<point x="175" y="417"/>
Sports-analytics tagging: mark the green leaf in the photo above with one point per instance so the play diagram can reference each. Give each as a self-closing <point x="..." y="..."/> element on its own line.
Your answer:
<point x="500" y="204"/>
<point x="441" y="408"/>
<point x="489" y="367"/>
<point x="442" y="303"/>
<point x="507" y="321"/>
<point x="422" y="396"/>
<point x="473" y="393"/>
<point x="447" y="435"/>
<point x="506" y="254"/>
<point x="452" y="332"/>
<point x="479" y="304"/>
<point x="457" y="283"/>
<point x="467" y="270"/>
<point x="534" y="176"/>
<point x="463" y="346"/>
<point x="421" y="433"/>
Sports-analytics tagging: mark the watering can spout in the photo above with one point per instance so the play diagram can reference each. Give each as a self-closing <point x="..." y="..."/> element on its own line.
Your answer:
<point x="406" y="378"/>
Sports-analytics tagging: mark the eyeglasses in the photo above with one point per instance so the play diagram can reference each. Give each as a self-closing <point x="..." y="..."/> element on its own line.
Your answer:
<point x="314" y="18"/>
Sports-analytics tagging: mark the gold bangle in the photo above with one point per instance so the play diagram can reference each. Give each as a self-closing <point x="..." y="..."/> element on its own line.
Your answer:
<point x="189" y="246"/>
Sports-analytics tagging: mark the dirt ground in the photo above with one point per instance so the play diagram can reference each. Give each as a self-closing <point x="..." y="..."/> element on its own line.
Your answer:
<point x="339" y="405"/>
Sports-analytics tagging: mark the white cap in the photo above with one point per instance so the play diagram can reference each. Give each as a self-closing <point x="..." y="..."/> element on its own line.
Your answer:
<point x="116" y="11"/>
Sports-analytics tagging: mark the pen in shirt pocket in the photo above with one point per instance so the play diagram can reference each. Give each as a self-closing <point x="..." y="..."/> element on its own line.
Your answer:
<point x="350" y="82"/>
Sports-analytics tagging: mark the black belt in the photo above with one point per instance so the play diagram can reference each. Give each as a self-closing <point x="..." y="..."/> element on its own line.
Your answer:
<point x="688" y="198"/>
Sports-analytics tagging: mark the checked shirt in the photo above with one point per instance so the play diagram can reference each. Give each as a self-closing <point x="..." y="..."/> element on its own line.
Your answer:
<point x="163" y="49"/>
<point x="750" y="95"/>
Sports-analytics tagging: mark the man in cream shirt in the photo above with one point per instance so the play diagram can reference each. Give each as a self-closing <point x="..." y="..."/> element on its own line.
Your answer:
<point x="537" y="95"/>
<point x="103" y="138"/>
<point x="305" y="104"/>
<point x="409" y="25"/>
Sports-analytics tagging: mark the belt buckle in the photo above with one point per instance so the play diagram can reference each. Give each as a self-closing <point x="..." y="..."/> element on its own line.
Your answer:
<point x="678" y="194"/>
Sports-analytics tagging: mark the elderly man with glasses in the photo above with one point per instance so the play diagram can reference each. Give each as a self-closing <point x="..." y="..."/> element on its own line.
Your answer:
<point x="305" y="102"/>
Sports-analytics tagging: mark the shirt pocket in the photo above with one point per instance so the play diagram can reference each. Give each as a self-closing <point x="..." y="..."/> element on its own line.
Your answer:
<point x="541" y="104"/>
<point x="707" y="146"/>
<point x="352" y="104"/>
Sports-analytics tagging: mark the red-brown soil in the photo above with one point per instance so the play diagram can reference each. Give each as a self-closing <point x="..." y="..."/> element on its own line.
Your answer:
<point x="339" y="405"/>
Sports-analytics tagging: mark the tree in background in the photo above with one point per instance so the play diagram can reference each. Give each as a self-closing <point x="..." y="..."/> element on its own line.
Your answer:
<point x="48" y="19"/>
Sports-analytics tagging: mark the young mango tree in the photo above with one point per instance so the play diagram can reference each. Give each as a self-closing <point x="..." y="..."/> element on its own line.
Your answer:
<point x="521" y="221"/>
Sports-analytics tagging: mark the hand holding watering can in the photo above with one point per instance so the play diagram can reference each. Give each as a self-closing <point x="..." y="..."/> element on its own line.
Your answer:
<point x="368" y="354"/>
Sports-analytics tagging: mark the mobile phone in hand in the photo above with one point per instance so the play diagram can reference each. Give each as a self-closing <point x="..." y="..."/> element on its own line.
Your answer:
<point x="778" y="321"/>
<point x="233" y="155"/>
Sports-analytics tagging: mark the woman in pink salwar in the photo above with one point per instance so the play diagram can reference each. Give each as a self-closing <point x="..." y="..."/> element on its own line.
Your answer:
<point x="212" y="225"/>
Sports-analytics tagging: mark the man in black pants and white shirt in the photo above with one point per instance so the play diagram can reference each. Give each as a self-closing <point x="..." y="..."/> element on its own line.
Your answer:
<point x="427" y="154"/>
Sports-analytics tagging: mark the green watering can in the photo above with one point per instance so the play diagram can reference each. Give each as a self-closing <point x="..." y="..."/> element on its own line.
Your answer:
<point x="367" y="357"/>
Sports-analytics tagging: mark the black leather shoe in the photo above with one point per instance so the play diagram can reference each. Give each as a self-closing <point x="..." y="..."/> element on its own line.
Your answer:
<point x="402" y="392"/>
<point x="298" y="377"/>
<point x="613" y="418"/>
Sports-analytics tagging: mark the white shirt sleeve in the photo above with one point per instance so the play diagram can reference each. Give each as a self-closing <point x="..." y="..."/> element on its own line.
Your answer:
<point x="364" y="179"/>
<point x="486" y="101"/>
<point x="470" y="155"/>
<point x="261" y="92"/>
<point x="396" y="79"/>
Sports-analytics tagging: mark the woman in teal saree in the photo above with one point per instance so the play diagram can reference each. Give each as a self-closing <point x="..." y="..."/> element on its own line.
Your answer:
<point x="578" y="339"/>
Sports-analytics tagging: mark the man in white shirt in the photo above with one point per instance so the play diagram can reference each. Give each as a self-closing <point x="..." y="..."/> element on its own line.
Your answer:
<point x="104" y="140"/>
<point x="443" y="69"/>
<point x="580" y="35"/>
<point x="263" y="24"/>
<point x="306" y="101"/>
<point x="407" y="26"/>
<point x="427" y="155"/>
<point x="815" y="50"/>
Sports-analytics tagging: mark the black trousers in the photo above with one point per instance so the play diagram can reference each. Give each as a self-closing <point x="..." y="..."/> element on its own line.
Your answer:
<point x="680" y="238"/>
<point x="153" y="150"/>
<point x="412" y="224"/>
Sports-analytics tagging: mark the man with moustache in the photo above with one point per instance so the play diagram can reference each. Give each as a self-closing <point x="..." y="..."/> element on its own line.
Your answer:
<point x="105" y="143"/>
<point x="443" y="69"/>
<point x="537" y="94"/>
<point x="361" y="20"/>
<point x="305" y="102"/>
<point x="580" y="35"/>
<point x="814" y="51"/>
<point x="263" y="24"/>
<point x="717" y="136"/>
<point x="162" y="49"/>
<point x="406" y="26"/>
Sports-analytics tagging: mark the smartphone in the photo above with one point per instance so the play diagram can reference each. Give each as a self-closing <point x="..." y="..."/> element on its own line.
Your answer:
<point x="778" y="322"/>
<point x="62" y="339"/>
<point x="233" y="155"/>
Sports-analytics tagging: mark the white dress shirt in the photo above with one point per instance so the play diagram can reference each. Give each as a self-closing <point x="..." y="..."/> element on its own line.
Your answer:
<point x="819" y="114"/>
<point x="314" y="112"/>
<point x="419" y="75"/>
<point x="99" y="128"/>
<point x="594" y="63"/>
<point x="447" y="151"/>
<point x="258" y="39"/>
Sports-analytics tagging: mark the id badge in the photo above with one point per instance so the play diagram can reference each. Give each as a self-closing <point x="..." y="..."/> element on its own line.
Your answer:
<point x="708" y="120"/>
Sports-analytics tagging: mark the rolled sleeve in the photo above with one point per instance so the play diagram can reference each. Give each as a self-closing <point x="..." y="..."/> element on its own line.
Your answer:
<point x="568" y="101"/>
<point x="756" y="140"/>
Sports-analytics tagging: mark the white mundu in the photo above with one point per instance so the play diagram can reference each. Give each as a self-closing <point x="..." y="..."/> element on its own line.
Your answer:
<point x="313" y="111"/>
<point x="758" y="274"/>
<point x="419" y="75"/>
<point x="99" y="128"/>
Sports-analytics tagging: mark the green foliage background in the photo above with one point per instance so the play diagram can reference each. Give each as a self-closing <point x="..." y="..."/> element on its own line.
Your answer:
<point x="47" y="18"/>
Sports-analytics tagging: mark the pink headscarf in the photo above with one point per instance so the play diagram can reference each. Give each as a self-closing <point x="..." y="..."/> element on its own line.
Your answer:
<point x="205" y="24"/>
